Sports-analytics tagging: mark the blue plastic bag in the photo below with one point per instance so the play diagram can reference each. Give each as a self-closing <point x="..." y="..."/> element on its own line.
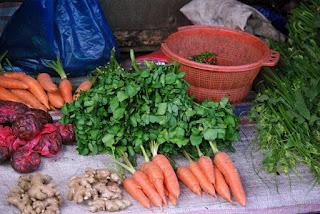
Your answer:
<point x="40" y="30"/>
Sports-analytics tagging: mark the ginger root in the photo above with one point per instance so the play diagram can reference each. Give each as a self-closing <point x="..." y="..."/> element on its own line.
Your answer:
<point x="35" y="194"/>
<point x="100" y="188"/>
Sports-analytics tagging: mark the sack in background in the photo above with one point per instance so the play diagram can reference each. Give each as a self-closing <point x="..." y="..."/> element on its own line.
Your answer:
<point x="233" y="14"/>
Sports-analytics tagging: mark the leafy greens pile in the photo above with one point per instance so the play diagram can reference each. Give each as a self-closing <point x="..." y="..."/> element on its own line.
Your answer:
<point x="287" y="109"/>
<point x="125" y="109"/>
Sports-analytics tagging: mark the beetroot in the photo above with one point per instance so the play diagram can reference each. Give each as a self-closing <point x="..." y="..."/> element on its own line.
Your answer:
<point x="26" y="144"/>
<point x="66" y="132"/>
<point x="27" y="126"/>
<point x="42" y="116"/>
<point x="25" y="161"/>
<point x="4" y="154"/>
<point x="6" y="136"/>
<point x="50" y="143"/>
<point x="10" y="110"/>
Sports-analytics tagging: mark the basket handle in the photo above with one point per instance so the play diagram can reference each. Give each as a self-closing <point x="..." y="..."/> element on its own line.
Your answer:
<point x="272" y="60"/>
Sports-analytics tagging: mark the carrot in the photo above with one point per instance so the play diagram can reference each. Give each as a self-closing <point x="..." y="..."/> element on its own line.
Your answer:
<point x="172" y="199"/>
<point x="205" y="184"/>
<point x="65" y="85"/>
<point x="65" y="88"/>
<point x="143" y="181"/>
<point x="15" y="75"/>
<point x="131" y="186"/>
<point x="147" y="187"/>
<point x="10" y="83"/>
<point x="225" y="165"/>
<point x="33" y="86"/>
<point x="221" y="186"/>
<point x="186" y="176"/>
<point x="46" y="82"/>
<point x="28" y="98"/>
<point x="7" y="95"/>
<point x="170" y="179"/>
<point x="84" y="86"/>
<point x="206" y="166"/>
<point x="56" y="99"/>
<point x="154" y="174"/>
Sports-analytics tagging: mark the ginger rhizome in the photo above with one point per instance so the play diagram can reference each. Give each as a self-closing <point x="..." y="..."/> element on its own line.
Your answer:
<point x="100" y="188"/>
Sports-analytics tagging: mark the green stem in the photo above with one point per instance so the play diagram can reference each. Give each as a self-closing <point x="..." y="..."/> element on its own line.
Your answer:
<point x="146" y="158"/>
<point x="154" y="148"/>
<point x="128" y="166"/>
<point x="133" y="61"/>
<point x="199" y="151"/>
<point x="187" y="156"/>
<point x="58" y="67"/>
<point x="213" y="146"/>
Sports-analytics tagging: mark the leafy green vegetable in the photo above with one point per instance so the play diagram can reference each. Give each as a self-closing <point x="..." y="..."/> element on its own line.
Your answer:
<point x="287" y="108"/>
<point x="206" y="57"/>
<point x="125" y="110"/>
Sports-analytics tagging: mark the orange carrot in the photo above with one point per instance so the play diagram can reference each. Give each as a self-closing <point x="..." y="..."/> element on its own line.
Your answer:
<point x="15" y="75"/>
<point x="65" y="88"/>
<point x="143" y="181"/>
<point x="172" y="199"/>
<point x="206" y="166"/>
<point x="147" y="187"/>
<point x="84" y="86"/>
<point x="29" y="99"/>
<point x="131" y="186"/>
<point x="65" y="85"/>
<point x="221" y="185"/>
<point x="46" y="82"/>
<point x="225" y="165"/>
<point x="56" y="99"/>
<point x="170" y="178"/>
<point x="7" y="95"/>
<point x="10" y="83"/>
<point x="154" y="174"/>
<point x="33" y="86"/>
<point x="186" y="176"/>
<point x="205" y="184"/>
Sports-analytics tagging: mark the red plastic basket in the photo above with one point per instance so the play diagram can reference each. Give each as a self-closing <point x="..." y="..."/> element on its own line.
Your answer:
<point x="240" y="58"/>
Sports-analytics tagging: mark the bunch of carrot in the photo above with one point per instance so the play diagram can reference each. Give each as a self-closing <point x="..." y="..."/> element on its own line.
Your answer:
<point x="42" y="92"/>
<point x="153" y="182"/>
<point x="219" y="175"/>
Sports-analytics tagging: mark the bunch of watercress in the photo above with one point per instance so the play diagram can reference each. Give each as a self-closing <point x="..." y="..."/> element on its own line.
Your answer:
<point x="125" y="110"/>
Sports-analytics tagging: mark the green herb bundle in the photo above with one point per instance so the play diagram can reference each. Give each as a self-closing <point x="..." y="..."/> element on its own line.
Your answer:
<point x="287" y="108"/>
<point x="124" y="110"/>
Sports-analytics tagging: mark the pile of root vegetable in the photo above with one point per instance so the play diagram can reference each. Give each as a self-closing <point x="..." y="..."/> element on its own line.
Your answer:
<point x="27" y="133"/>
<point x="37" y="193"/>
<point x="40" y="93"/>
<point x="147" y="111"/>
<point x="287" y="108"/>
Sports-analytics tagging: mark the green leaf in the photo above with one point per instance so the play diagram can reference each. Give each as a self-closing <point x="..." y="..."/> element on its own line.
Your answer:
<point x="93" y="148"/>
<point x="170" y="78"/>
<point x="118" y="113"/>
<point x="162" y="108"/>
<point x="108" y="140"/>
<point x="132" y="90"/>
<point x="122" y="96"/>
<point x="210" y="134"/>
<point x="195" y="139"/>
<point x="114" y="104"/>
<point x="223" y="102"/>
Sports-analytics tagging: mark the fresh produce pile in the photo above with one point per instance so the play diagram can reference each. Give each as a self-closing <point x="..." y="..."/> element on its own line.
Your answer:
<point x="27" y="133"/>
<point x="207" y="57"/>
<point x="35" y="194"/>
<point x="41" y="93"/>
<point x="100" y="188"/>
<point x="287" y="108"/>
<point x="148" y="111"/>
